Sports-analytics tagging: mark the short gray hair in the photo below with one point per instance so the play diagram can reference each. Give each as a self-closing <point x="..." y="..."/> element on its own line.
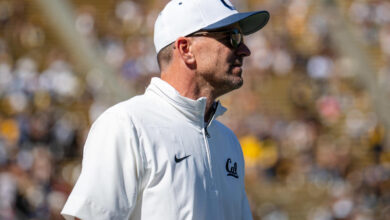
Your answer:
<point x="164" y="57"/>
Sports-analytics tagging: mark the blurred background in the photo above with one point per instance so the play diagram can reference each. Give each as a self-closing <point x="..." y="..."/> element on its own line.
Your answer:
<point x="312" y="116"/>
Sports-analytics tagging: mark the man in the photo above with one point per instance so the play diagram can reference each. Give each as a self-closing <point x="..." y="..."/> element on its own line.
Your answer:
<point x="163" y="155"/>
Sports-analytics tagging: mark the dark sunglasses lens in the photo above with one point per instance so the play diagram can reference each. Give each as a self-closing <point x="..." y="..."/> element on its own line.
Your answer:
<point x="235" y="38"/>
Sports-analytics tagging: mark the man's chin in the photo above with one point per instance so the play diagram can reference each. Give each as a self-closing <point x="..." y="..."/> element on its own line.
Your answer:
<point x="237" y="82"/>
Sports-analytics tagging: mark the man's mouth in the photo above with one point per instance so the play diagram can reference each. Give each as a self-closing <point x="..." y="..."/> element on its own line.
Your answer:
<point x="236" y="69"/>
<point x="236" y="66"/>
<point x="237" y="63"/>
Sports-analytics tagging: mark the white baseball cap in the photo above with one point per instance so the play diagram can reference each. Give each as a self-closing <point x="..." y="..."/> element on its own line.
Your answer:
<point x="180" y="18"/>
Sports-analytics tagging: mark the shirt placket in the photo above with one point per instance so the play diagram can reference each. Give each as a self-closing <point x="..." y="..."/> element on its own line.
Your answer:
<point x="206" y="137"/>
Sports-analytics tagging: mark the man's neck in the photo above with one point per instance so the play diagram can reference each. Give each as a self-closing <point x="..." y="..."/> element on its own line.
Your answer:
<point x="192" y="89"/>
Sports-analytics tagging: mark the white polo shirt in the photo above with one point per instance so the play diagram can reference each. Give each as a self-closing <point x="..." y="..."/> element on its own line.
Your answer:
<point x="151" y="157"/>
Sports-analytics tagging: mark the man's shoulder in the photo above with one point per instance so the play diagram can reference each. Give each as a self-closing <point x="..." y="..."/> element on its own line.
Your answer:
<point x="134" y="105"/>
<point x="134" y="109"/>
<point x="222" y="127"/>
<point x="124" y="109"/>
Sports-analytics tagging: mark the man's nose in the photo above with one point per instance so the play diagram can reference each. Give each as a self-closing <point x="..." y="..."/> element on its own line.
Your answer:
<point x="243" y="50"/>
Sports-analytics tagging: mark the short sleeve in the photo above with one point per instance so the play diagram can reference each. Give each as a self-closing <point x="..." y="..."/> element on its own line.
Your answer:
<point x="110" y="178"/>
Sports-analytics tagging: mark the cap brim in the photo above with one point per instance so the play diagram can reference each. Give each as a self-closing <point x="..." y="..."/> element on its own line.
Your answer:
<point x="249" y="22"/>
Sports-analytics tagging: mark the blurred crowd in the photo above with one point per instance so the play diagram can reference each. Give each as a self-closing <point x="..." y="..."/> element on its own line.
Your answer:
<point x="314" y="146"/>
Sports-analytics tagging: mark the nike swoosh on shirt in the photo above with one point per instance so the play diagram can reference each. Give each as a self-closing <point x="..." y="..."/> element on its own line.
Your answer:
<point x="177" y="160"/>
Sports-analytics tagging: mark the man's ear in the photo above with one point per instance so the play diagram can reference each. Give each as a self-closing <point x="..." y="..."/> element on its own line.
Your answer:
<point x="183" y="46"/>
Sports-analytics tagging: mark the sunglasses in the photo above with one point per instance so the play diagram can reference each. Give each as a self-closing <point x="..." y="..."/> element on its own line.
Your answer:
<point x="234" y="36"/>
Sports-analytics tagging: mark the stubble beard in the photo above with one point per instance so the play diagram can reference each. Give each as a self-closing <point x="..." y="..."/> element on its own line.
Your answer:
<point x="234" y="81"/>
<point x="229" y="82"/>
<point x="225" y="81"/>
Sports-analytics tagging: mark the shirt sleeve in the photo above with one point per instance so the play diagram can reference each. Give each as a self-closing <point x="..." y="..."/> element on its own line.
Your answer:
<point x="110" y="178"/>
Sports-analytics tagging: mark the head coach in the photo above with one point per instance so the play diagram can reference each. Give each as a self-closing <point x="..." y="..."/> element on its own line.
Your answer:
<point x="163" y="154"/>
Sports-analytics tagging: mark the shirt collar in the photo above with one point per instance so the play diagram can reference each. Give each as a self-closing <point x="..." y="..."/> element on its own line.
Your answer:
<point x="191" y="109"/>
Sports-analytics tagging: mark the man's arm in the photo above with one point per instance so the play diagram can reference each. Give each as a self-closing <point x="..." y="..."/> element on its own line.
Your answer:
<point x="111" y="171"/>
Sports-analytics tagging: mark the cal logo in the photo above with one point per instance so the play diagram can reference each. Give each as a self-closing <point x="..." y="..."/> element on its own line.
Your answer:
<point x="231" y="168"/>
